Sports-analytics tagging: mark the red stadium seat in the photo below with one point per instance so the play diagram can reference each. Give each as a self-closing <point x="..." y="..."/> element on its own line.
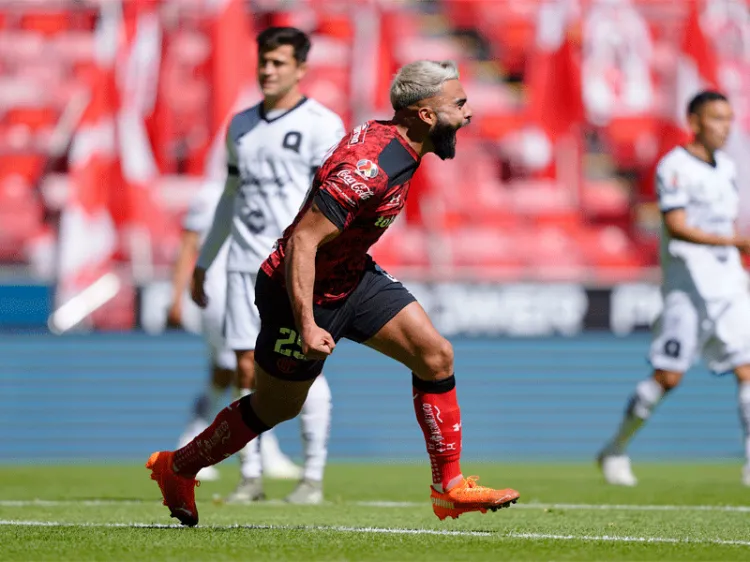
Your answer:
<point x="28" y="166"/>
<point x="632" y="141"/>
<point x="21" y="217"/>
<point x="46" y="22"/>
<point x="21" y="46"/>
<point x="34" y="117"/>
<point x="339" y="26"/>
<point x="611" y="253"/>
<point x="605" y="199"/>
<point x="402" y="246"/>
<point x="486" y="252"/>
<point x="552" y="254"/>
<point x="74" y="46"/>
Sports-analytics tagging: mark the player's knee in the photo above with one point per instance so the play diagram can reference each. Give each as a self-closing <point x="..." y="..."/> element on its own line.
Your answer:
<point x="742" y="373"/>
<point x="275" y="409"/>
<point x="667" y="379"/>
<point x="438" y="360"/>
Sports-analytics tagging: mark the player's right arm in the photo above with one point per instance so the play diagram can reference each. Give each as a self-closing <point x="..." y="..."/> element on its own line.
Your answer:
<point x="313" y="230"/>
<point x="673" y="199"/>
<point x="676" y="223"/>
<point x="183" y="268"/>
<point x="220" y="227"/>
<point x="341" y="196"/>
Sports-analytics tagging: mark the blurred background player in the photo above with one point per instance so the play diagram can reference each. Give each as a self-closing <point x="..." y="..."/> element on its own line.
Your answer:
<point x="196" y="223"/>
<point x="705" y="288"/>
<point x="274" y="149"/>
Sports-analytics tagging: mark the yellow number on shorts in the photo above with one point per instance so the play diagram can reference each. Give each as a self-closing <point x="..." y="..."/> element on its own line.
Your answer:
<point x="292" y="340"/>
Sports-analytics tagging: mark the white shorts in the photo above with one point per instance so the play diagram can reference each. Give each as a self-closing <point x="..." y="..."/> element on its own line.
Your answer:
<point x="243" y="320"/>
<point x="213" y="317"/>
<point x="689" y="327"/>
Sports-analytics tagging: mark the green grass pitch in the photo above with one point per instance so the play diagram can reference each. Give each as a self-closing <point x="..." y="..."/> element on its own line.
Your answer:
<point x="82" y="512"/>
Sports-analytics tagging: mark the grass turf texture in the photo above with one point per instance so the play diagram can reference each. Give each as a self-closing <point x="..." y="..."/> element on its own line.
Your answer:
<point x="566" y="512"/>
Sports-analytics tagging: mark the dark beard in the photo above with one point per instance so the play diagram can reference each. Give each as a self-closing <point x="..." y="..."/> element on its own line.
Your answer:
<point x="443" y="137"/>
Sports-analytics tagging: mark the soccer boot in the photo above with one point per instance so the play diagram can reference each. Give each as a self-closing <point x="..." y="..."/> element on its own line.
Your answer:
<point x="307" y="492"/>
<point x="616" y="470"/>
<point x="249" y="490"/>
<point x="178" y="491"/>
<point x="470" y="496"/>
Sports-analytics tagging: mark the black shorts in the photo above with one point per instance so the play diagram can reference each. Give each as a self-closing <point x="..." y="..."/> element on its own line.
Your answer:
<point x="358" y="317"/>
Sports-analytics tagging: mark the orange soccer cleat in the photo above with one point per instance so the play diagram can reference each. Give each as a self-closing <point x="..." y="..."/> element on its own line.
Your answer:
<point x="178" y="491"/>
<point x="470" y="496"/>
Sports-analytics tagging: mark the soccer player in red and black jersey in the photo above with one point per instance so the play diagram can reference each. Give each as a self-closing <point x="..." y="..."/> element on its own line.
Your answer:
<point x="320" y="285"/>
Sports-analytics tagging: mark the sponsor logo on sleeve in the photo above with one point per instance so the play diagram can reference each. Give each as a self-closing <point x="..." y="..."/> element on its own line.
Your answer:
<point x="367" y="169"/>
<point x="361" y="190"/>
<point x="358" y="134"/>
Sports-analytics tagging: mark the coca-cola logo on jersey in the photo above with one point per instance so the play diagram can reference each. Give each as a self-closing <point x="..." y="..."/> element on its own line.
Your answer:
<point x="362" y="191"/>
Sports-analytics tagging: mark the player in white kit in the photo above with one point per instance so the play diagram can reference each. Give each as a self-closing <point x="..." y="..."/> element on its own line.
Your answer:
<point x="196" y="223"/>
<point x="273" y="151"/>
<point x="705" y="288"/>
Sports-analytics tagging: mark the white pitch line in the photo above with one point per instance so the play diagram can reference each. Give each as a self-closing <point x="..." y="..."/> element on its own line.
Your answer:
<point x="585" y="506"/>
<point x="334" y="528"/>
<point x="615" y="538"/>
<point x="390" y="531"/>
<point x="61" y="503"/>
<point x="396" y="505"/>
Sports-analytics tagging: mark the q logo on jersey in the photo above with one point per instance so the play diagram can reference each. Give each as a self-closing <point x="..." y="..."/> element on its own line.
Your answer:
<point x="367" y="169"/>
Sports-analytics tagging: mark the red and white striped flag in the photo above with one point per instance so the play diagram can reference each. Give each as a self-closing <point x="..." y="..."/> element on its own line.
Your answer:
<point x="696" y="71"/>
<point x="555" y="103"/>
<point x="554" y="82"/>
<point x="88" y="234"/>
<point x="234" y="87"/>
<point x="138" y="76"/>
<point x="697" y="68"/>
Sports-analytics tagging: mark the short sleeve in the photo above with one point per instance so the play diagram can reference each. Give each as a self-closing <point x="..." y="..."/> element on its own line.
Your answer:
<point x="328" y="135"/>
<point x="345" y="193"/>
<point x="200" y="212"/>
<point x="232" y="160"/>
<point x="671" y="189"/>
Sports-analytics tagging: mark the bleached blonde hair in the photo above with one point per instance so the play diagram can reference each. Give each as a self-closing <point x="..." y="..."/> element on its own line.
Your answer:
<point x="419" y="80"/>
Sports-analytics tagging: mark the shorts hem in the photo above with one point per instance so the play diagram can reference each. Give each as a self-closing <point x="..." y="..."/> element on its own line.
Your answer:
<point x="672" y="368"/>
<point x="392" y="313"/>
<point x="292" y="377"/>
<point x="241" y="345"/>
<point x="225" y="365"/>
<point x="728" y="367"/>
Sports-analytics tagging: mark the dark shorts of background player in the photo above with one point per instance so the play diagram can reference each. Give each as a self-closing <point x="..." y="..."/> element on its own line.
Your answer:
<point x="358" y="317"/>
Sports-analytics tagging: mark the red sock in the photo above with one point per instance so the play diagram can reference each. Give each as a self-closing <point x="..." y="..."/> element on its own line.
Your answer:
<point x="439" y="417"/>
<point x="225" y="436"/>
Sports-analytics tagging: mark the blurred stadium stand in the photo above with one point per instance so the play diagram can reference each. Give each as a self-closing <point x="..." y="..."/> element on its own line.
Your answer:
<point x="551" y="182"/>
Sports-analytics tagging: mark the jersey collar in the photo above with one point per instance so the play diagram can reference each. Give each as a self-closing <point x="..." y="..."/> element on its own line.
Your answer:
<point x="713" y="164"/>
<point x="262" y="111"/>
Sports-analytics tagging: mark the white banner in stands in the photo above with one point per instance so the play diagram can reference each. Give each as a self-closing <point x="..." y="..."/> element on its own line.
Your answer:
<point x="513" y="310"/>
